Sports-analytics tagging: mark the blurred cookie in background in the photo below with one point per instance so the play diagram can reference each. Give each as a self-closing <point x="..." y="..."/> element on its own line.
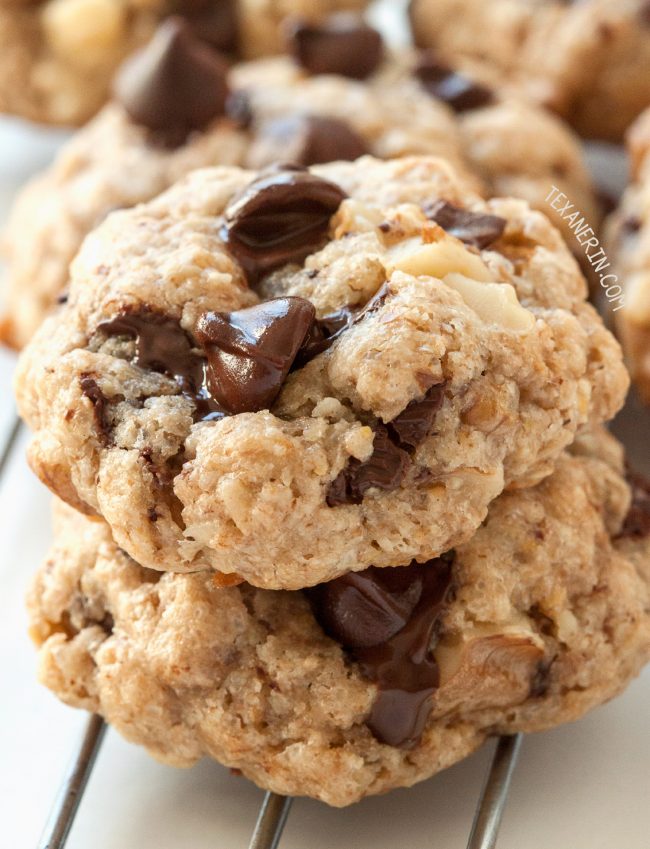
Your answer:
<point x="57" y="57"/>
<point x="587" y="61"/>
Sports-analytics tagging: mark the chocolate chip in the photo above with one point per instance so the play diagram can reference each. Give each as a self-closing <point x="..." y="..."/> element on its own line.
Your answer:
<point x="309" y="140"/>
<point x="637" y="521"/>
<point x="453" y="88"/>
<point x="90" y="388"/>
<point x="323" y="332"/>
<point x="162" y="345"/>
<point x="412" y="426"/>
<point x="343" y="45"/>
<point x="250" y="352"/>
<point x="387" y="621"/>
<point x="213" y="22"/>
<point x="473" y="228"/>
<point x="384" y="470"/>
<point x="174" y="85"/>
<point x="279" y="218"/>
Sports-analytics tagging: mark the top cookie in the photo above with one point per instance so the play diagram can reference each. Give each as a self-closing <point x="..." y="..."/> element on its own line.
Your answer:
<point x="289" y="108"/>
<point x="588" y="61"/>
<point x="295" y="374"/>
<point x="628" y="233"/>
<point x="57" y="57"/>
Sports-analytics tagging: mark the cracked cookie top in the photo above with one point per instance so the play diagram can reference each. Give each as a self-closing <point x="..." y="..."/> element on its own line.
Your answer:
<point x="302" y="372"/>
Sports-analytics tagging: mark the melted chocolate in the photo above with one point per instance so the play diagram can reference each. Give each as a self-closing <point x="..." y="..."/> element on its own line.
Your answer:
<point x="344" y="45"/>
<point x="251" y="351"/>
<point x="309" y="140"/>
<point x="453" y="88"/>
<point x="472" y="228"/>
<point x="412" y="426"/>
<point x="279" y="218"/>
<point x="385" y="470"/>
<point x="387" y="620"/>
<point x="175" y="85"/>
<point x="162" y="345"/>
<point x="91" y="390"/>
<point x="391" y="457"/>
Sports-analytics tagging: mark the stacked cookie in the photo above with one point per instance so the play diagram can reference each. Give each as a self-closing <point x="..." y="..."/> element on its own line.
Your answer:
<point x="339" y="503"/>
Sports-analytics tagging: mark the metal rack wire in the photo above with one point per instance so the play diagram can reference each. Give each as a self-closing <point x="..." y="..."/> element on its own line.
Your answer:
<point x="275" y="809"/>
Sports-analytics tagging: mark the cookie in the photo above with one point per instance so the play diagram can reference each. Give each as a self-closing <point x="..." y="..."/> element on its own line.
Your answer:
<point x="588" y="61"/>
<point x="301" y="372"/>
<point x="628" y="236"/>
<point x="277" y="108"/>
<point x="541" y="616"/>
<point x="57" y="57"/>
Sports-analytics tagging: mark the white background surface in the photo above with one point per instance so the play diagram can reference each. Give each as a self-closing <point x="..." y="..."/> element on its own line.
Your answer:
<point x="585" y="786"/>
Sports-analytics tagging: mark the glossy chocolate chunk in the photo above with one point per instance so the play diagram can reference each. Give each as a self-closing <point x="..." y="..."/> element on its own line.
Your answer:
<point x="280" y="218"/>
<point x="213" y="21"/>
<point x="343" y="45"/>
<point x="162" y="345"/>
<point x="323" y="332"/>
<point x="175" y="85"/>
<point x="473" y="228"/>
<point x="453" y="88"/>
<point x="251" y="351"/>
<point x="637" y="521"/>
<point x="384" y="470"/>
<point x="412" y="426"/>
<point x="90" y="388"/>
<point x="387" y="621"/>
<point x="309" y="140"/>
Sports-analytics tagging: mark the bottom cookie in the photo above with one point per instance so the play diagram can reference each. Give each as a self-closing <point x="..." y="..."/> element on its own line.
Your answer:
<point x="543" y="615"/>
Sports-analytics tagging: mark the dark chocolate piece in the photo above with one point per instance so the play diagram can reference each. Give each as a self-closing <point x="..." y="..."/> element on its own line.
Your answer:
<point x="251" y="351"/>
<point x="387" y="620"/>
<point x="473" y="228"/>
<point x="91" y="390"/>
<point x="637" y="521"/>
<point x="279" y="218"/>
<point x="323" y="332"/>
<point x="213" y="21"/>
<point x="343" y="45"/>
<point x="385" y="470"/>
<point x="162" y="345"/>
<point x="175" y="85"/>
<point x="309" y="140"/>
<point x="414" y="424"/>
<point x="452" y="87"/>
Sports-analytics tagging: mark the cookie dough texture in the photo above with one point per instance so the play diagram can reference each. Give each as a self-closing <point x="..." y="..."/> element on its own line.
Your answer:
<point x="510" y="147"/>
<point x="524" y="360"/>
<point x="628" y="233"/>
<point x="588" y="61"/>
<point x="550" y="618"/>
<point x="57" y="57"/>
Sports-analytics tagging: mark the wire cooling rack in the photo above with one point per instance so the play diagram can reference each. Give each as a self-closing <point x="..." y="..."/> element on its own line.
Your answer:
<point x="275" y="809"/>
